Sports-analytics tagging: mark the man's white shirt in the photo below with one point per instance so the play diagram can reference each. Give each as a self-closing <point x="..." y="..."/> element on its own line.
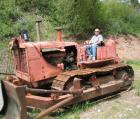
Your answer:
<point x="96" y="39"/>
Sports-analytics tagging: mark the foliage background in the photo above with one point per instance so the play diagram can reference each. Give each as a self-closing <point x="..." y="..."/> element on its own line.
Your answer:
<point x="75" y="16"/>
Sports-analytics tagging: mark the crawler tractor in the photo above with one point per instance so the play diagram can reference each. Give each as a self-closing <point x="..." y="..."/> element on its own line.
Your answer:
<point x="53" y="74"/>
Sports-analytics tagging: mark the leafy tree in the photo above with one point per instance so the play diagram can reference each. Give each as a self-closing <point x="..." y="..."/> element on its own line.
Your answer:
<point x="75" y="15"/>
<point x="33" y="5"/>
<point x="135" y="3"/>
<point x="9" y="14"/>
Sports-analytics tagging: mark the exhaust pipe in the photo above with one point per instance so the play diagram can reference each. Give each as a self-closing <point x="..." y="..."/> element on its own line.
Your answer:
<point x="38" y="21"/>
<point x="59" y="34"/>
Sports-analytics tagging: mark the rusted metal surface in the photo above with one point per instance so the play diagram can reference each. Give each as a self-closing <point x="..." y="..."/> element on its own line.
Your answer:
<point x="59" y="34"/>
<point x="54" y="107"/>
<point x="87" y="94"/>
<point x="92" y="93"/>
<point x="76" y="84"/>
<point x="26" y="65"/>
<point x="105" y="52"/>
<point x="38" y="21"/>
<point x="97" y="63"/>
<point x="76" y="88"/>
<point x="16" y="101"/>
<point x="42" y="91"/>
<point x="63" y="78"/>
<point x="95" y="82"/>
<point x="45" y="70"/>
<point x="67" y="87"/>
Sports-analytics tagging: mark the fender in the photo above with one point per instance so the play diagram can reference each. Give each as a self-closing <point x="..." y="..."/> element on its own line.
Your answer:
<point x="3" y="99"/>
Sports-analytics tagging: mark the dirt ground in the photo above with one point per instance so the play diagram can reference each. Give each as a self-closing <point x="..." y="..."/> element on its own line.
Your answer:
<point x="126" y="106"/>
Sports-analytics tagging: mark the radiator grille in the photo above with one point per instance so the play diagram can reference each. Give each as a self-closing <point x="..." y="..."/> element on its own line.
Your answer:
<point x="20" y="60"/>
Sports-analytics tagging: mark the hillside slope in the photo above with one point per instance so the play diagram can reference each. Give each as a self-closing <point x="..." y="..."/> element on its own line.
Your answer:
<point x="128" y="47"/>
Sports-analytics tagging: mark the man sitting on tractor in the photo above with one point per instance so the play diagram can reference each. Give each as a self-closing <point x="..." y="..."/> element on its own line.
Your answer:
<point x="91" y="46"/>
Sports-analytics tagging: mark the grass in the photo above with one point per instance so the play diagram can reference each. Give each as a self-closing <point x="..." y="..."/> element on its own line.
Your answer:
<point x="137" y="87"/>
<point x="134" y="63"/>
<point x="3" y="44"/>
<point x="136" y="66"/>
<point x="71" y="112"/>
<point x="74" y="111"/>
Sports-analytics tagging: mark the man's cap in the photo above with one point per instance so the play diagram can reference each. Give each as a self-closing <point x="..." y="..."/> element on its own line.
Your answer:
<point x="97" y="30"/>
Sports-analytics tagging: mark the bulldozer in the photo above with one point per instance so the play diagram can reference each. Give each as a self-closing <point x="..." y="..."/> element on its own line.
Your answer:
<point x="53" y="74"/>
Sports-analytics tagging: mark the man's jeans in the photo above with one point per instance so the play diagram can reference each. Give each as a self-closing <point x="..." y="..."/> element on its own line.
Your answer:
<point x="91" y="50"/>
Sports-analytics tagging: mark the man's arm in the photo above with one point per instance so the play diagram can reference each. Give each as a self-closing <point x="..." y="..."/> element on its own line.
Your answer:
<point x="92" y="40"/>
<point x="89" y="41"/>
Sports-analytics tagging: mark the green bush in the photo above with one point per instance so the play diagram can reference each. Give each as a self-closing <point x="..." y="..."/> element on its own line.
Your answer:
<point x="121" y="18"/>
<point x="75" y="16"/>
<point x="113" y="17"/>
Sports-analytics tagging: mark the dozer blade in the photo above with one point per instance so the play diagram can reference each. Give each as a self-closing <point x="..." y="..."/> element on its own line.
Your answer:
<point x="1" y="98"/>
<point x="16" y="101"/>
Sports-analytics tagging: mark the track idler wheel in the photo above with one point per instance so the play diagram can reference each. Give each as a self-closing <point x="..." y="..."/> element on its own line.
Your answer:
<point x="123" y="75"/>
<point x="95" y="82"/>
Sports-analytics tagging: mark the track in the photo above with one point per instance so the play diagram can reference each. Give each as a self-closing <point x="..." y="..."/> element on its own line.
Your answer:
<point x="61" y="80"/>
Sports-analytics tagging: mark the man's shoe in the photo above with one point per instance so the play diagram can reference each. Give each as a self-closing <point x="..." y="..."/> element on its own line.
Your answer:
<point x="89" y="58"/>
<point x="93" y="58"/>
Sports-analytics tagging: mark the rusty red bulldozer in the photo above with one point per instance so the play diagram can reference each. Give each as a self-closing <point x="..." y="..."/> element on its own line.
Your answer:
<point x="53" y="74"/>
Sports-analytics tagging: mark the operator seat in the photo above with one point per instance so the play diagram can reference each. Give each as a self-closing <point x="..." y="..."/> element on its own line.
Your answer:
<point x="107" y="50"/>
